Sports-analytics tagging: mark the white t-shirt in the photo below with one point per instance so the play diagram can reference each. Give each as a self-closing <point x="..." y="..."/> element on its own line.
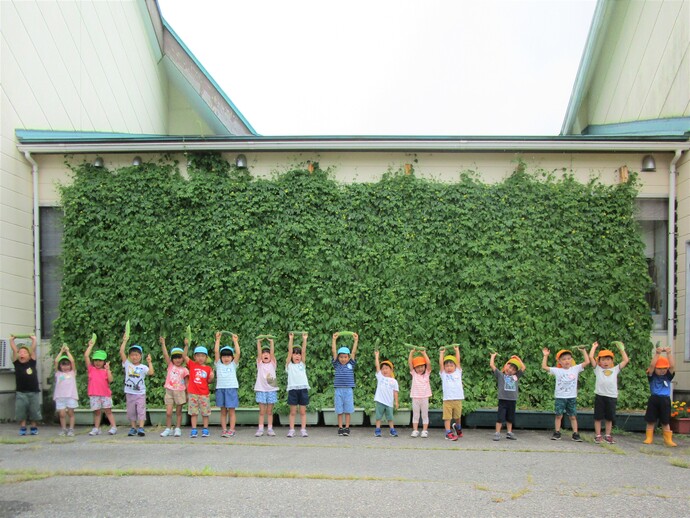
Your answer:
<point x="452" y="385"/>
<point x="134" y="377"/>
<point x="226" y="375"/>
<point x="607" y="381"/>
<point x="566" y="381"/>
<point x="297" y="376"/>
<point x="385" y="388"/>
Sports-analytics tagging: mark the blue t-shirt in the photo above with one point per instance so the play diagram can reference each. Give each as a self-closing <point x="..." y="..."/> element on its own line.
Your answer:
<point x="344" y="374"/>
<point x="661" y="385"/>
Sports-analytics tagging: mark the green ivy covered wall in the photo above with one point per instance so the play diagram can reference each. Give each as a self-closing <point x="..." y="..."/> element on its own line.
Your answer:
<point x="536" y="260"/>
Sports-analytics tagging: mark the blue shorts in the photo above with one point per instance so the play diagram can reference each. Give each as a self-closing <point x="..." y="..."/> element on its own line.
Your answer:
<point x="344" y="400"/>
<point x="298" y="397"/>
<point x="567" y="406"/>
<point x="267" y="398"/>
<point x="227" y="398"/>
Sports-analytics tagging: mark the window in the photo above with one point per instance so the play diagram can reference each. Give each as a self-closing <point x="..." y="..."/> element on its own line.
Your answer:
<point x="51" y="266"/>
<point x="653" y="218"/>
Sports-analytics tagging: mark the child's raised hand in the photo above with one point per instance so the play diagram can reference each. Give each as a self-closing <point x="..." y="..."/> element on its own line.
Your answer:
<point x="595" y="345"/>
<point x="376" y="353"/>
<point x="218" y="335"/>
<point x="161" y="340"/>
<point x="305" y="335"/>
<point x="336" y="335"/>
<point x="545" y="351"/>
<point x="234" y="339"/>
<point x="493" y="355"/>
<point x="90" y="344"/>
<point x="148" y="358"/>
<point x="270" y="342"/>
<point x="186" y="342"/>
<point x="355" y="336"/>
<point x="291" y="336"/>
<point x="107" y="366"/>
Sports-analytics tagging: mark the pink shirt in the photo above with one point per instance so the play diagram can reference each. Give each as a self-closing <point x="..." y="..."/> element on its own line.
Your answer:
<point x="266" y="376"/>
<point x="66" y="384"/>
<point x="175" y="378"/>
<point x="98" y="382"/>
<point x="420" y="386"/>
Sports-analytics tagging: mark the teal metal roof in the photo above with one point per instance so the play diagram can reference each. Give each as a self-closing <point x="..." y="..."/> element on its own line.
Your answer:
<point x="677" y="126"/>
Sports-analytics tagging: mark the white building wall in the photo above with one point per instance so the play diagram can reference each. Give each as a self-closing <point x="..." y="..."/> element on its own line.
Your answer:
<point x="74" y="66"/>
<point x="643" y="71"/>
<point x="682" y="343"/>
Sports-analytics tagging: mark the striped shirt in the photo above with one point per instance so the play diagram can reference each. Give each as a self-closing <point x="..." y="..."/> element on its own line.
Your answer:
<point x="420" y="387"/>
<point x="344" y="374"/>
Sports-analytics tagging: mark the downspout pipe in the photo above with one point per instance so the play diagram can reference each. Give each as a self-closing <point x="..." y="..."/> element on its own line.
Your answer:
<point x="671" y="262"/>
<point x="37" y="262"/>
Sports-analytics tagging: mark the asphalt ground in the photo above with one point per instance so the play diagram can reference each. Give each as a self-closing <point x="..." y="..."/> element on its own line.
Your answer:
<point x="328" y="475"/>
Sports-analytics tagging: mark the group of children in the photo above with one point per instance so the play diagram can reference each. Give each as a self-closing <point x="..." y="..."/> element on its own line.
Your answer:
<point x="187" y="382"/>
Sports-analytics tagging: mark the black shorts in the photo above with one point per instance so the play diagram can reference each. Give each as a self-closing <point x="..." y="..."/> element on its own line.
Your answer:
<point x="658" y="409"/>
<point x="506" y="411"/>
<point x="604" y="408"/>
<point x="298" y="397"/>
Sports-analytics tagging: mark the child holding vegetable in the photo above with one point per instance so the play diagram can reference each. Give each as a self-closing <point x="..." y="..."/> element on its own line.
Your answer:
<point x="660" y="373"/>
<point x="508" y="380"/>
<point x="266" y="386"/>
<point x="175" y="388"/>
<point x="200" y="375"/>
<point x="420" y="391"/>
<point x="606" y="389"/>
<point x="566" y="375"/>
<point x="98" y="388"/>
<point x="135" y="387"/>
<point x="386" y="395"/>
<point x="453" y="393"/>
<point x="227" y="399"/>
<point x="344" y="381"/>
<point x="297" y="384"/>
<point x="65" y="391"/>
<point x="28" y="394"/>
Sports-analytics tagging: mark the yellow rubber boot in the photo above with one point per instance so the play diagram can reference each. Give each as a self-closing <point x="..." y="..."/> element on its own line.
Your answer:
<point x="668" y="439"/>
<point x="649" y="438"/>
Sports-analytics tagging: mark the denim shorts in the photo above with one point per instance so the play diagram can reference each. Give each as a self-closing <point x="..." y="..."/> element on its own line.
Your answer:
<point x="267" y="398"/>
<point x="227" y="398"/>
<point x="344" y="401"/>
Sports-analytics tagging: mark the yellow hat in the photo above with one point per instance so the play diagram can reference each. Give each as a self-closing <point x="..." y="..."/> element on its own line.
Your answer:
<point x="450" y="357"/>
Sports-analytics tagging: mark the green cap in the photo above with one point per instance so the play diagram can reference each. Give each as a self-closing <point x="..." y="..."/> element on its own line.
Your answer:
<point x="64" y="357"/>
<point x="99" y="355"/>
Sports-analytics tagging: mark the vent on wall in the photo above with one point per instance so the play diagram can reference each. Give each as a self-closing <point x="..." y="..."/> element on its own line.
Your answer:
<point x="5" y="355"/>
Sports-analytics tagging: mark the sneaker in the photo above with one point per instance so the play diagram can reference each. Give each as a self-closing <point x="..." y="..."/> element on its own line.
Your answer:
<point x="424" y="434"/>
<point x="193" y="434"/>
<point x="224" y="434"/>
<point x="231" y="433"/>
<point x="95" y="431"/>
<point x="598" y="439"/>
<point x="178" y="433"/>
<point x="341" y="431"/>
<point x="132" y="432"/>
<point x="393" y="432"/>
<point x="62" y="433"/>
<point x="204" y="432"/>
<point x="303" y="432"/>
<point x="609" y="439"/>
<point x="576" y="437"/>
<point x="497" y="436"/>
<point x="457" y="429"/>
<point x="33" y="430"/>
<point x="415" y="433"/>
<point x="70" y="432"/>
<point x="259" y="433"/>
<point x="451" y="436"/>
<point x="22" y="430"/>
<point x="377" y="432"/>
<point x="346" y="432"/>
<point x="166" y="433"/>
<point x="141" y="432"/>
<point x="270" y="432"/>
<point x="291" y="433"/>
<point x="112" y="431"/>
<point x="511" y="436"/>
<point x="556" y="436"/>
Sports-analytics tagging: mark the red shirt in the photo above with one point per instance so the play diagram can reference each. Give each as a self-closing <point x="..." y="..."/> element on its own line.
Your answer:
<point x="198" y="378"/>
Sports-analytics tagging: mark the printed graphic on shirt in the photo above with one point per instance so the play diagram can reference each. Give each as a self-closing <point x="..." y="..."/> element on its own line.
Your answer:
<point x="509" y="383"/>
<point x="607" y="372"/>
<point x="134" y="378"/>
<point x="566" y="383"/>
<point x="199" y="376"/>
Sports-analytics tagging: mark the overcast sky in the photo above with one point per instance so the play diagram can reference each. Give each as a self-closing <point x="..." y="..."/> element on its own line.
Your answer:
<point x="390" y="67"/>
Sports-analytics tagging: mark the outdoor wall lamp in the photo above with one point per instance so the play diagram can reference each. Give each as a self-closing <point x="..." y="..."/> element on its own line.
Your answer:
<point x="241" y="161"/>
<point x="98" y="162"/>
<point x="136" y="161"/>
<point x="648" y="164"/>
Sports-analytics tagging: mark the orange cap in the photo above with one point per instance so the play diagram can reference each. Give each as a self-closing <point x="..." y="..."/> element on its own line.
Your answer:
<point x="417" y="361"/>
<point x="662" y="363"/>
<point x="604" y="353"/>
<point x="562" y="352"/>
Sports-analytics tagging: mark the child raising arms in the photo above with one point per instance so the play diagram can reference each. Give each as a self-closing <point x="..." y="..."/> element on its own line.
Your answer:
<point x="344" y="382"/>
<point x="453" y="393"/>
<point x="508" y="380"/>
<point x="266" y="386"/>
<point x="420" y="391"/>
<point x="65" y="396"/>
<point x="28" y="394"/>
<point x="98" y="389"/>
<point x="227" y="398"/>
<point x="135" y="386"/>
<point x="175" y="387"/>
<point x="660" y="373"/>
<point x="200" y="375"/>
<point x="605" y="389"/>
<point x="297" y="384"/>
<point x="386" y="396"/>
